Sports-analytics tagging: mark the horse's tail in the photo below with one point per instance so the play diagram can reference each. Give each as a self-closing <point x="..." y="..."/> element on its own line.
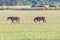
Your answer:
<point x="45" y="19"/>
<point x="22" y="19"/>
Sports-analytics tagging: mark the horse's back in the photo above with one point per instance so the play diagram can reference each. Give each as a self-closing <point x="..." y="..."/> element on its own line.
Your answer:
<point x="39" y="18"/>
<point x="13" y="18"/>
<point x="36" y="17"/>
<point x="42" y="17"/>
<point x="17" y="17"/>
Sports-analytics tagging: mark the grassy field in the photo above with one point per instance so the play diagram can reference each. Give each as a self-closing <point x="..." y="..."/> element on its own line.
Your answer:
<point x="27" y="29"/>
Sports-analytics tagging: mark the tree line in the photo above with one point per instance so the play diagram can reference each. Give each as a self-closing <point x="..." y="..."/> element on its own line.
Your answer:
<point x="25" y="2"/>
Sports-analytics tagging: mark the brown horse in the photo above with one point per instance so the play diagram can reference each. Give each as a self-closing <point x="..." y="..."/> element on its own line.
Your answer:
<point x="38" y="19"/>
<point x="14" y="19"/>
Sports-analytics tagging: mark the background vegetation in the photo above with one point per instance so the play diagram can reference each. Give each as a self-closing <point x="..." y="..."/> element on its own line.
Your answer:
<point x="27" y="29"/>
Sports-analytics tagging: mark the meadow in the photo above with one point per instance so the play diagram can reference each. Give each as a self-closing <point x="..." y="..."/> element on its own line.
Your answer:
<point x="27" y="29"/>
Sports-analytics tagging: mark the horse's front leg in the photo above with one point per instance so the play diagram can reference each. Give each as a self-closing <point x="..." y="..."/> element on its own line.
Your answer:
<point x="43" y="21"/>
<point x="39" y="21"/>
<point x="12" y="21"/>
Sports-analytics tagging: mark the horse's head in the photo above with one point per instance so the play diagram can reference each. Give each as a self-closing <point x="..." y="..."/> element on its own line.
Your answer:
<point x="9" y="18"/>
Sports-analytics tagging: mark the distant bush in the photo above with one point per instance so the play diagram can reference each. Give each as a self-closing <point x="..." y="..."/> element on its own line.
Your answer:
<point x="50" y="9"/>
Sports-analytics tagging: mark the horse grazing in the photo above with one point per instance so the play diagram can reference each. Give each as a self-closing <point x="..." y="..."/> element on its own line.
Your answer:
<point x="14" y="19"/>
<point x="38" y="19"/>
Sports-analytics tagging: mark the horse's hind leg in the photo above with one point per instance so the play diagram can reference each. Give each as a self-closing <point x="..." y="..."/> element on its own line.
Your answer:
<point x="17" y="21"/>
<point x="44" y="21"/>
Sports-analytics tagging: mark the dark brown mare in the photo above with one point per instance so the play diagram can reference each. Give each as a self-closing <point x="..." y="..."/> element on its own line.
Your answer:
<point x="38" y="19"/>
<point x="14" y="19"/>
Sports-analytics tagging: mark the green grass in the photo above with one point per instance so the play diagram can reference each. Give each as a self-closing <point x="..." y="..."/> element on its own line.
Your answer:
<point x="27" y="29"/>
